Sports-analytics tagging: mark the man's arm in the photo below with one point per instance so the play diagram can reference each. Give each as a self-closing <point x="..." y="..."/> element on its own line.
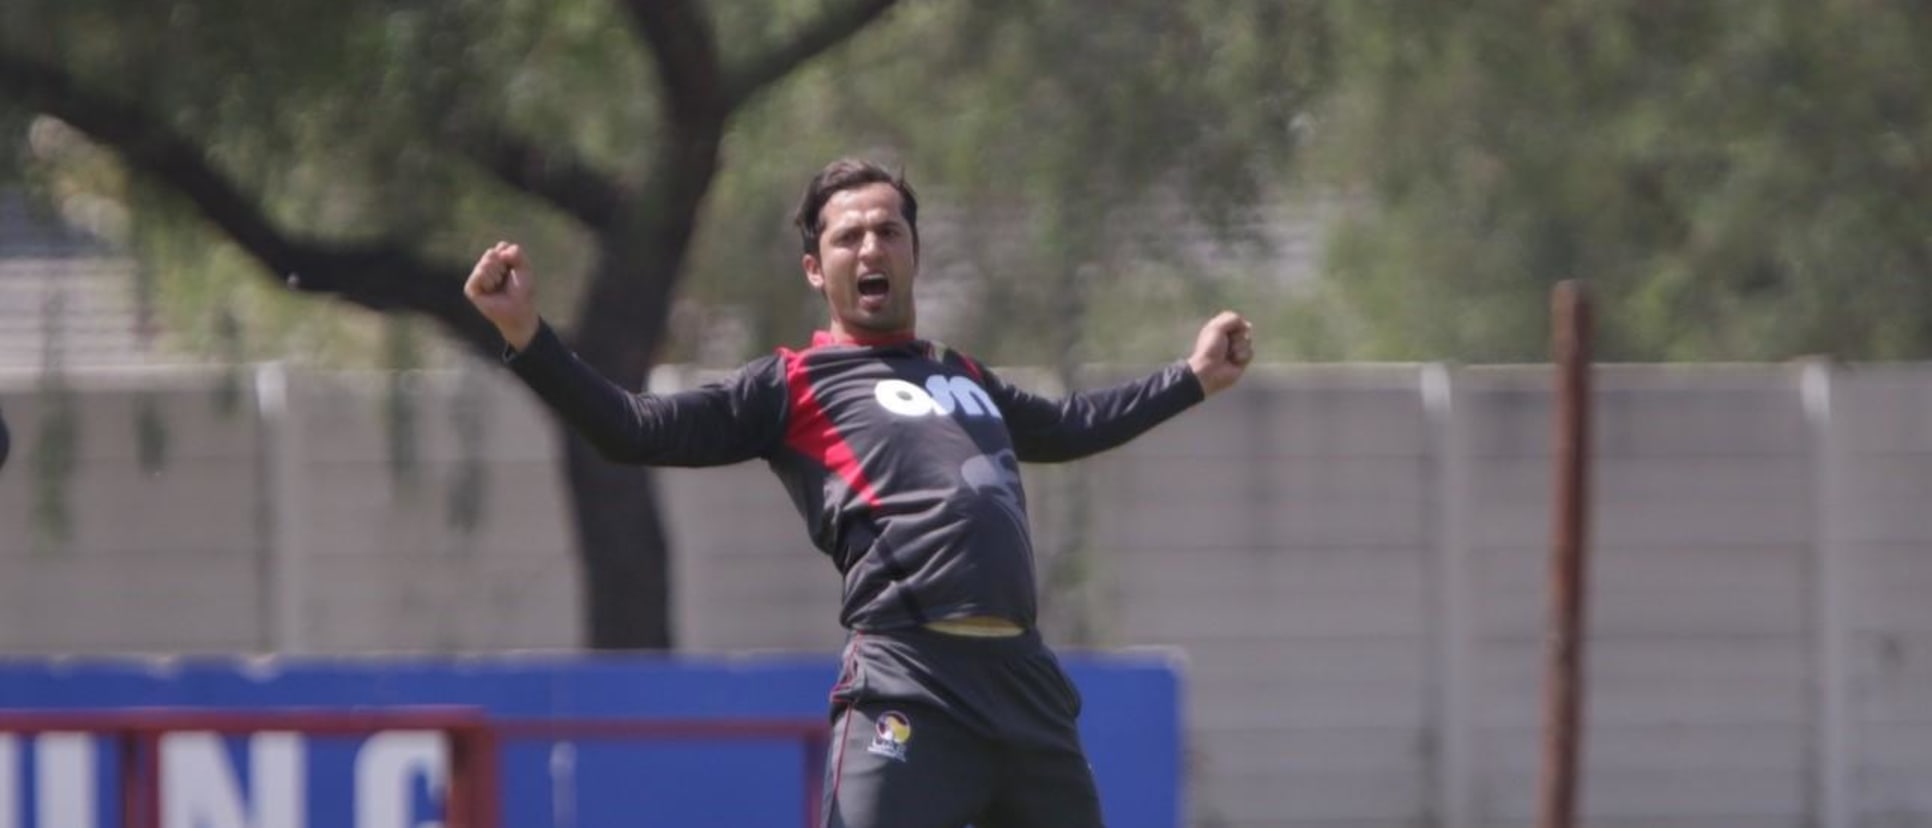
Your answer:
<point x="717" y="424"/>
<point x="721" y="423"/>
<point x="1086" y="423"/>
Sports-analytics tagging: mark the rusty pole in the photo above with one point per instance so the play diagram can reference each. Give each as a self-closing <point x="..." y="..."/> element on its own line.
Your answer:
<point x="1563" y="701"/>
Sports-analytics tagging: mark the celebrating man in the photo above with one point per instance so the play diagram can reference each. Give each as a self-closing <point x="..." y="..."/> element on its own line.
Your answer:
<point x="902" y="456"/>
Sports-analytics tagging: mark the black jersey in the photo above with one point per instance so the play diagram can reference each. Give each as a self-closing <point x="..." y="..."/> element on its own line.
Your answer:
<point x="903" y="458"/>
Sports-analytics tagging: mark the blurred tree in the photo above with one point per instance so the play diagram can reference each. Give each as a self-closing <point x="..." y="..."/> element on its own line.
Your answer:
<point x="1080" y="154"/>
<point x="1079" y="160"/>
<point x="1742" y="179"/>
<point x="337" y="147"/>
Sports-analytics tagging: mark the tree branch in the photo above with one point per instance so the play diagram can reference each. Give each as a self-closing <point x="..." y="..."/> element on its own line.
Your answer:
<point x="814" y="38"/>
<point x="149" y="145"/>
<point x="379" y="277"/>
<point x="685" y="51"/>
<point x="553" y="174"/>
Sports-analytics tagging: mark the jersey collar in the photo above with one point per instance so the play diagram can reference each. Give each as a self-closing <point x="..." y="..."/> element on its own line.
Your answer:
<point x="823" y="338"/>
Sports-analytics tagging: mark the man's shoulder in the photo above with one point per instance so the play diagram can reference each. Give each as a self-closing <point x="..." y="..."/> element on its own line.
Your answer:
<point x="768" y="367"/>
<point x="948" y="355"/>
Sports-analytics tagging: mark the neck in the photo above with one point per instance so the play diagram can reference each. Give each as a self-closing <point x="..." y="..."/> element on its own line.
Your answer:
<point x="841" y="335"/>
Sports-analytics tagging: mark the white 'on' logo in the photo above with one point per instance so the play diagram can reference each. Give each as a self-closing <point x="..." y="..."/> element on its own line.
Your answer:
<point x="942" y="395"/>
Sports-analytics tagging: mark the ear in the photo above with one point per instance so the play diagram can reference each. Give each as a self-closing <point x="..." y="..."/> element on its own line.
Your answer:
<point x="814" y="275"/>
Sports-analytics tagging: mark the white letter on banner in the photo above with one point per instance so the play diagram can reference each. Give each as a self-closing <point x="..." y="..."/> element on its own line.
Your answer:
<point x="9" y="781"/>
<point x="386" y="770"/>
<point x="199" y="788"/>
<point x="278" y="774"/>
<point x="64" y="782"/>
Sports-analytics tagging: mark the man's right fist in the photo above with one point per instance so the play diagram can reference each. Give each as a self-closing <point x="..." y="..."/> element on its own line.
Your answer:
<point x="500" y="288"/>
<point x="1222" y="352"/>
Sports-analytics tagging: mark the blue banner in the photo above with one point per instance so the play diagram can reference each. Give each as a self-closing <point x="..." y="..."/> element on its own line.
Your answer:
<point x="1131" y="725"/>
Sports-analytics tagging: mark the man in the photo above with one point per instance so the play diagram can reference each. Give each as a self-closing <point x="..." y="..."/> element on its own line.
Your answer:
<point x="902" y="456"/>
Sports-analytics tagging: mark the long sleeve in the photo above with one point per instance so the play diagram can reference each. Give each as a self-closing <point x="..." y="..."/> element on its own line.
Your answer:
<point x="727" y="422"/>
<point x="1052" y="431"/>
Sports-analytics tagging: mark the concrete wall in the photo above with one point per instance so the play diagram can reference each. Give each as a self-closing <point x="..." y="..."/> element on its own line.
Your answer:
<point x="1352" y="560"/>
<point x="281" y="512"/>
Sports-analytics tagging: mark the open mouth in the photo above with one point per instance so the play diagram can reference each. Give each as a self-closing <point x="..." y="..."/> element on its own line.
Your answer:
<point x="874" y="286"/>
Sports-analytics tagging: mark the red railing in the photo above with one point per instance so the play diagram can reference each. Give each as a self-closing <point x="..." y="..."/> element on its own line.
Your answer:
<point x="474" y="797"/>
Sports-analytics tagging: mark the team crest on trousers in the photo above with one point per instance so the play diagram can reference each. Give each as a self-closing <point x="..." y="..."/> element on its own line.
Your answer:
<point x="889" y="738"/>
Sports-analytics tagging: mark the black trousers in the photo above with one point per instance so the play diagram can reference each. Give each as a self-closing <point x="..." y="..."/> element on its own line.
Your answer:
<point x="939" y="731"/>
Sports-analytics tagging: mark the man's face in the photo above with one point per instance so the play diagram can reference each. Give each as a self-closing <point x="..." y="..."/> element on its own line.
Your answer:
<point x="865" y="262"/>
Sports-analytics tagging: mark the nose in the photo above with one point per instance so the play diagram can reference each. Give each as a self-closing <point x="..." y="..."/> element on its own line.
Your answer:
<point x="870" y="247"/>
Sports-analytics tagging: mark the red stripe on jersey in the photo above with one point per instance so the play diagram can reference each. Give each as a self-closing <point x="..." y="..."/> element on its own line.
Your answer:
<point x="811" y="433"/>
<point x="972" y="368"/>
<point x="821" y="338"/>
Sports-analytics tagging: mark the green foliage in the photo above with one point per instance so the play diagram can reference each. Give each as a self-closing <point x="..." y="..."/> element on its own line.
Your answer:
<point x="55" y="459"/>
<point x="230" y="392"/>
<point x="1072" y="157"/>
<point x="1740" y="180"/>
<point x="1074" y="154"/>
<point x="469" y="480"/>
<point x="56" y="451"/>
<point x="400" y="406"/>
<point x="336" y="116"/>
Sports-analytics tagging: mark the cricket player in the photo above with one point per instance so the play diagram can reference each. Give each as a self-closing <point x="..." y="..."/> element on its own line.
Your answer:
<point x="903" y="458"/>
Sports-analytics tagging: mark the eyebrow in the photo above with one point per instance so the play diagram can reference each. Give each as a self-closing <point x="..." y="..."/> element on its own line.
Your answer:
<point x="841" y="225"/>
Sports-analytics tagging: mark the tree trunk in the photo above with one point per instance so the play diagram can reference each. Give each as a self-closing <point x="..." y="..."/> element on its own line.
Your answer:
<point x="626" y="559"/>
<point x="622" y="321"/>
<point x="620" y="537"/>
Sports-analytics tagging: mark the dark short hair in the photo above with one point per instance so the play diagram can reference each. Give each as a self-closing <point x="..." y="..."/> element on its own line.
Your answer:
<point x="846" y="174"/>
